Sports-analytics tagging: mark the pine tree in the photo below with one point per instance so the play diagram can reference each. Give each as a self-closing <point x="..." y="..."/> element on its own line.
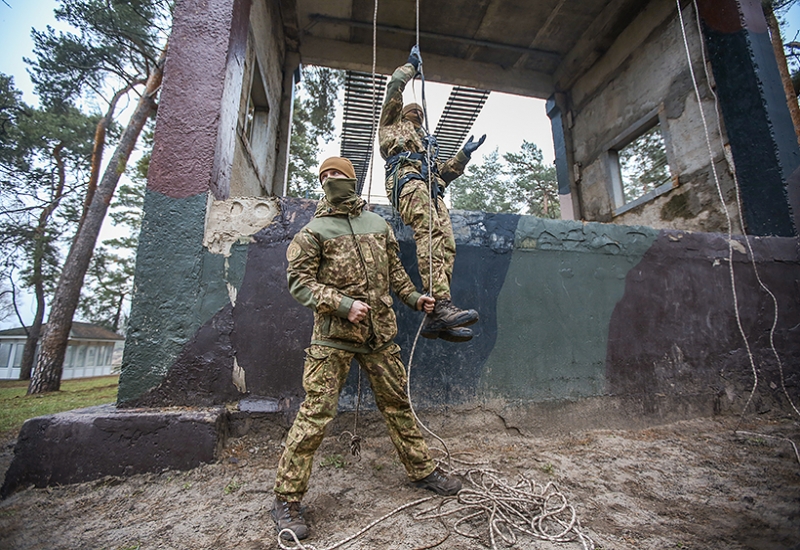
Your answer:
<point x="121" y="46"/>
<point x="533" y="185"/>
<point x="312" y="121"/>
<point x="44" y="156"/>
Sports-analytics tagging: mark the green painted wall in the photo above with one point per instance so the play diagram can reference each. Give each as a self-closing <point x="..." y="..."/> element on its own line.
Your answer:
<point x="179" y="286"/>
<point x="555" y="305"/>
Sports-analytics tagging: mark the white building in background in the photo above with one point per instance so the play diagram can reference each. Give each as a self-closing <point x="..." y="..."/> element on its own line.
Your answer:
<point x="90" y="351"/>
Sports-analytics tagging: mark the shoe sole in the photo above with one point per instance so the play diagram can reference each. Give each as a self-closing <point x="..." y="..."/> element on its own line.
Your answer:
<point x="455" y="336"/>
<point x="441" y="493"/>
<point x="469" y="320"/>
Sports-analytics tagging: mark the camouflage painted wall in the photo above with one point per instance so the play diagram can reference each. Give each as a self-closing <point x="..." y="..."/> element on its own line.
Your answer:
<point x="569" y="311"/>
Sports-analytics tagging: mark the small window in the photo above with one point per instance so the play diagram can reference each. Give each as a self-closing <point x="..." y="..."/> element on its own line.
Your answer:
<point x="80" y="358"/>
<point x="256" y="119"/>
<point x="639" y="164"/>
<point x="91" y="356"/>
<point x="5" y="352"/>
<point x="18" y="350"/>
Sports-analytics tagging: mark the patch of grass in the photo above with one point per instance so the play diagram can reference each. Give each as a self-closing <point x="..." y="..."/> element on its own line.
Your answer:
<point x="233" y="486"/>
<point x="548" y="469"/>
<point x="337" y="461"/>
<point x="16" y="407"/>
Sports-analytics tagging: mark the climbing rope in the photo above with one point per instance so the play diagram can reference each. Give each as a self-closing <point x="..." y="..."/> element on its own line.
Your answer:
<point x="493" y="509"/>
<point x="488" y="506"/>
<point x="729" y="159"/>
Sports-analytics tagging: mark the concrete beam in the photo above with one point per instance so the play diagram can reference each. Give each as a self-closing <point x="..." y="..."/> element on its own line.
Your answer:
<point x="358" y="57"/>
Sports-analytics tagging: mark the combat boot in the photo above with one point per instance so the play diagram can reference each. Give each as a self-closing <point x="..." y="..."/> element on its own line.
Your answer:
<point x="440" y="483"/>
<point x="447" y="316"/>
<point x="287" y="515"/>
<point x="455" y="334"/>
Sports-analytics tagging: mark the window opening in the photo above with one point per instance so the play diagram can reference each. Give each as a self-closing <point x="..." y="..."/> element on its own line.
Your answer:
<point x="256" y="123"/>
<point x="638" y="164"/>
<point x="643" y="165"/>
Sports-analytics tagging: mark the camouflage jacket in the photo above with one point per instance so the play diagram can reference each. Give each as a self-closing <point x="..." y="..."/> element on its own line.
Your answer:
<point x="342" y="255"/>
<point x="396" y="135"/>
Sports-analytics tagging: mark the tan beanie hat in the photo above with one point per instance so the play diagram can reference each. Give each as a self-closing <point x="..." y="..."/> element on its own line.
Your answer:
<point x="411" y="107"/>
<point x="341" y="164"/>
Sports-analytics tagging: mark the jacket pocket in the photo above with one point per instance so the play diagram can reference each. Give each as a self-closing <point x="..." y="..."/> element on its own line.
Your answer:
<point x="338" y="328"/>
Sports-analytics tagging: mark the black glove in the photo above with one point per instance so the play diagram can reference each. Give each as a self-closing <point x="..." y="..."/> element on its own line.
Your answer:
<point x="470" y="146"/>
<point x="414" y="57"/>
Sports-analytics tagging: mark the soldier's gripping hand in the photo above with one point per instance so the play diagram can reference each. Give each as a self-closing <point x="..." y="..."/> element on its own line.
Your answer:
<point x="426" y="303"/>
<point x="358" y="311"/>
<point x="414" y="57"/>
<point x="470" y="146"/>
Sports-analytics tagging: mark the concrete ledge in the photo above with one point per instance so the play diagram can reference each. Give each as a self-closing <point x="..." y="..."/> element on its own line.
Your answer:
<point x="86" y="444"/>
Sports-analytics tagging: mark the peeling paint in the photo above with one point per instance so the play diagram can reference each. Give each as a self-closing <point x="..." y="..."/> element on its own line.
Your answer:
<point x="237" y="377"/>
<point x="236" y="220"/>
<point x="738" y="247"/>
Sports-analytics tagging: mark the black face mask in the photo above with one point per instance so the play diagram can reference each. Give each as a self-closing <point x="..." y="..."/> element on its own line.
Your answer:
<point x="339" y="190"/>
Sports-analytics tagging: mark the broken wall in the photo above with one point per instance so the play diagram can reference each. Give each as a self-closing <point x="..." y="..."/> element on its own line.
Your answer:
<point x="622" y="319"/>
<point x="644" y="79"/>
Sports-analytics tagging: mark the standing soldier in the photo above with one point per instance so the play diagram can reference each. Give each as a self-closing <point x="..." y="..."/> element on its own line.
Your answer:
<point x="342" y="265"/>
<point x="403" y="144"/>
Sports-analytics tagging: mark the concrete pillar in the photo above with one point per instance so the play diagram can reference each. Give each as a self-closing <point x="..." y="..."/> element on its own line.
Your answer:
<point x="193" y="150"/>
<point x="754" y="109"/>
<point x="562" y="139"/>
<point x="196" y="124"/>
<point x="291" y="67"/>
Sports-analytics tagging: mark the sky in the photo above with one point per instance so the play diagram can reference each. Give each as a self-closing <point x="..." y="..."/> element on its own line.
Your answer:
<point x="506" y="119"/>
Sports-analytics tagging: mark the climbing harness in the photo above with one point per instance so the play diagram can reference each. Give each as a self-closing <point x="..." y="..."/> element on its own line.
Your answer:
<point x="396" y="162"/>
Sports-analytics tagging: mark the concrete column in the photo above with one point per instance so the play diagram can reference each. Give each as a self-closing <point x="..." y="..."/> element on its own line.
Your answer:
<point x="562" y="139"/>
<point x="192" y="158"/>
<point x="754" y="109"/>
<point x="290" y="67"/>
<point x="196" y="124"/>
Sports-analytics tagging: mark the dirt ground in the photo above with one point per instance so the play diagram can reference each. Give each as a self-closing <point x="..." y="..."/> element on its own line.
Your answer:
<point x="692" y="484"/>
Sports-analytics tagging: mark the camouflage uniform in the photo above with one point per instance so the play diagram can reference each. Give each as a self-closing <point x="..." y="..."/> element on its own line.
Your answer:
<point x="397" y="135"/>
<point x="346" y="254"/>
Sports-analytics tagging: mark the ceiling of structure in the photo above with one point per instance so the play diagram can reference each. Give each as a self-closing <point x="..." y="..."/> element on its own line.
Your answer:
<point x="532" y="47"/>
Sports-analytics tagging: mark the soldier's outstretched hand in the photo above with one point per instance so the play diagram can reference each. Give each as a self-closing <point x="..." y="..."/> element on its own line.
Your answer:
<point x="470" y="145"/>
<point x="426" y="303"/>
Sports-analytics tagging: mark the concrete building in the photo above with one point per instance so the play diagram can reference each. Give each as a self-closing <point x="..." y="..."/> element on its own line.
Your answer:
<point x="584" y="323"/>
<point x="90" y="351"/>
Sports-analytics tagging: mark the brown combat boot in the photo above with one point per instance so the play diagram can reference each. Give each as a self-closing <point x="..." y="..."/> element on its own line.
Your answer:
<point x="446" y="315"/>
<point x="440" y="483"/>
<point x="287" y="515"/>
<point x="455" y="334"/>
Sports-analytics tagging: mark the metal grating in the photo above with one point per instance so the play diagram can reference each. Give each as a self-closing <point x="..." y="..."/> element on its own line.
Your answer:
<point x="361" y="115"/>
<point x="463" y="107"/>
<point x="361" y="119"/>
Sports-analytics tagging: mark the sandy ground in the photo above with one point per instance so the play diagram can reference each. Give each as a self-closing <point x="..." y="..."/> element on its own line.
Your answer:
<point x="692" y="484"/>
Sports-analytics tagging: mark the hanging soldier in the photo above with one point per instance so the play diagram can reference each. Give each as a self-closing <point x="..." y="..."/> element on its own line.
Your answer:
<point x="415" y="184"/>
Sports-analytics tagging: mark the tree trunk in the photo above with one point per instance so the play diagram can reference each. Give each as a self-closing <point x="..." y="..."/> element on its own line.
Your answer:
<point x="29" y="351"/>
<point x="786" y="78"/>
<point x="47" y="374"/>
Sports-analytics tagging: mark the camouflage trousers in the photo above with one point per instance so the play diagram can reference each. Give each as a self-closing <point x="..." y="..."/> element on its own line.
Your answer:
<point x="433" y="234"/>
<point x="324" y="374"/>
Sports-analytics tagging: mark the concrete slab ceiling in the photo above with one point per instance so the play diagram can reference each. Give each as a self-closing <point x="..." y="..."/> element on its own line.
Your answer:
<point x="515" y="46"/>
